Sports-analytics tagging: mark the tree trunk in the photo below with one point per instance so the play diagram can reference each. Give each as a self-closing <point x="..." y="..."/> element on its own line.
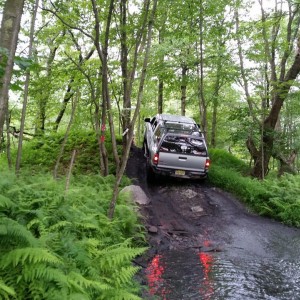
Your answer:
<point x="44" y="95"/>
<point x="68" y="95"/>
<point x="102" y="53"/>
<point x="10" y="27"/>
<point x="160" y="95"/>
<point x="160" y="76"/>
<point x="26" y="88"/>
<point x="135" y="116"/>
<point x="280" y="87"/>
<point x="202" y="101"/>
<point x="63" y="145"/>
<point x="183" y="87"/>
<point x="126" y="112"/>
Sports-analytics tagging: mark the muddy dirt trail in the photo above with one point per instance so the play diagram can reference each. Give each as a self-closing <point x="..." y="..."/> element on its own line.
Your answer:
<point x="204" y="244"/>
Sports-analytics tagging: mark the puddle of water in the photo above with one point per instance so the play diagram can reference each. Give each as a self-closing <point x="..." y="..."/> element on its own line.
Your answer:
<point x="176" y="275"/>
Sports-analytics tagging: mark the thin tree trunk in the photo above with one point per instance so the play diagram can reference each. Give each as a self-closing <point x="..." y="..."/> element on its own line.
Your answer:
<point x="44" y="95"/>
<point x="183" y="87"/>
<point x="160" y="76"/>
<point x="126" y="112"/>
<point x="160" y="95"/>
<point x="68" y="96"/>
<point x="9" y="32"/>
<point x="63" y="145"/>
<point x="202" y="100"/>
<point x="26" y="88"/>
<point x="102" y="53"/>
<point x="68" y="179"/>
<point x="8" y="152"/>
<point x="135" y="116"/>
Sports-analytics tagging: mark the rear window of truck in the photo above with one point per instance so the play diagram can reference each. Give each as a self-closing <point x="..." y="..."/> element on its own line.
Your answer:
<point x="187" y="145"/>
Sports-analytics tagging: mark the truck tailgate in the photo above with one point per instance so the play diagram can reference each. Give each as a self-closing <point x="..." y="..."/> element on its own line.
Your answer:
<point x="181" y="161"/>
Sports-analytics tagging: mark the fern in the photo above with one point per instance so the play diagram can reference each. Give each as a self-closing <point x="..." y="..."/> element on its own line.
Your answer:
<point x="28" y="256"/>
<point x="13" y="232"/>
<point x="6" y="291"/>
<point x="64" y="247"/>
<point x="6" y="203"/>
<point x="76" y="279"/>
<point x="116" y="255"/>
<point x="124" y="275"/>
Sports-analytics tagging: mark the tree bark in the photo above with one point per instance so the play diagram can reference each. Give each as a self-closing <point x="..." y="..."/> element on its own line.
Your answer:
<point x="183" y="87"/>
<point x="63" y="145"/>
<point x="126" y="112"/>
<point x="202" y="100"/>
<point x="10" y="27"/>
<point x="160" y="95"/>
<point x="135" y="116"/>
<point x="281" y="86"/>
<point x="26" y="88"/>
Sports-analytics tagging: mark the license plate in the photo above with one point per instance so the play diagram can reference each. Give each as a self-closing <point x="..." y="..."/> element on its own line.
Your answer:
<point x="180" y="172"/>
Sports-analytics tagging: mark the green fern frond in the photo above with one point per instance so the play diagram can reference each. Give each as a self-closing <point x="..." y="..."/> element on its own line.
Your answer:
<point x="78" y="280"/>
<point x="78" y="296"/>
<point x="16" y="232"/>
<point x="121" y="294"/>
<point x="116" y="256"/>
<point x="278" y="203"/>
<point x="40" y="271"/>
<point x="28" y="255"/>
<point x="124" y="275"/>
<point x="59" y="225"/>
<point x="6" y="290"/>
<point x="84" y="225"/>
<point x="6" y="203"/>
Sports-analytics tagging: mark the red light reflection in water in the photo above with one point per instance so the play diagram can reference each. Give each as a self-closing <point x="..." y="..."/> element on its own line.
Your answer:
<point x="206" y="260"/>
<point x="154" y="273"/>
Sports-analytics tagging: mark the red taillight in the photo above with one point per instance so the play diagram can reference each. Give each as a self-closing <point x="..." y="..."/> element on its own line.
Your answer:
<point x="155" y="158"/>
<point x="207" y="163"/>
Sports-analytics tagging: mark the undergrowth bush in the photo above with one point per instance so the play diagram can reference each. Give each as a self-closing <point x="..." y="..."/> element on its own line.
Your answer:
<point x="41" y="152"/>
<point x="276" y="198"/>
<point x="58" y="245"/>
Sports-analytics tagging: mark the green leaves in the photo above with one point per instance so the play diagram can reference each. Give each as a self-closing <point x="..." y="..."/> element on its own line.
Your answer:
<point x="54" y="246"/>
<point x="275" y="198"/>
<point x="28" y="256"/>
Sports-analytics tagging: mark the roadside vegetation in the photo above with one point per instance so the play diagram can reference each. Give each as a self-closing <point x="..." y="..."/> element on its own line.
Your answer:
<point x="58" y="243"/>
<point x="277" y="198"/>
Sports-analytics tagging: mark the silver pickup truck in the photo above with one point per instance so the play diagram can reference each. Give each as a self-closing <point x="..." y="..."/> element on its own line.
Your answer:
<point x="174" y="146"/>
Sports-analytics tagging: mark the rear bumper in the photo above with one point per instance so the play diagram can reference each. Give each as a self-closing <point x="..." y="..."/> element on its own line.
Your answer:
<point x="172" y="172"/>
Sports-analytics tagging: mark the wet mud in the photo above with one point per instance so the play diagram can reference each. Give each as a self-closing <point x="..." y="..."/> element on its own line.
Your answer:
<point x="205" y="244"/>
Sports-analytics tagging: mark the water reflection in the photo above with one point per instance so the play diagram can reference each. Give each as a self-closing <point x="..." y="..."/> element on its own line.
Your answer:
<point x="206" y="288"/>
<point x="155" y="279"/>
<point x="176" y="275"/>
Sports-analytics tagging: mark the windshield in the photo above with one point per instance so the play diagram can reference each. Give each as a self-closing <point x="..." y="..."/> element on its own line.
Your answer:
<point x="181" y="127"/>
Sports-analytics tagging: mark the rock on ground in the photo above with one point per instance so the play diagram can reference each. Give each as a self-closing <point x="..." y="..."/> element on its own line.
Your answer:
<point x="138" y="195"/>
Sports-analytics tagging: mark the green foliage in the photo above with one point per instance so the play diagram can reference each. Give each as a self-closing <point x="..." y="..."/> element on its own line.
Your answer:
<point x="58" y="245"/>
<point x="283" y="199"/>
<point x="41" y="152"/>
<point x="276" y="198"/>
<point x="228" y="161"/>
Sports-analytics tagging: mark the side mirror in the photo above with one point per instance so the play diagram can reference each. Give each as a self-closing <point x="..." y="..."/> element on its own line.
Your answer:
<point x="147" y="120"/>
